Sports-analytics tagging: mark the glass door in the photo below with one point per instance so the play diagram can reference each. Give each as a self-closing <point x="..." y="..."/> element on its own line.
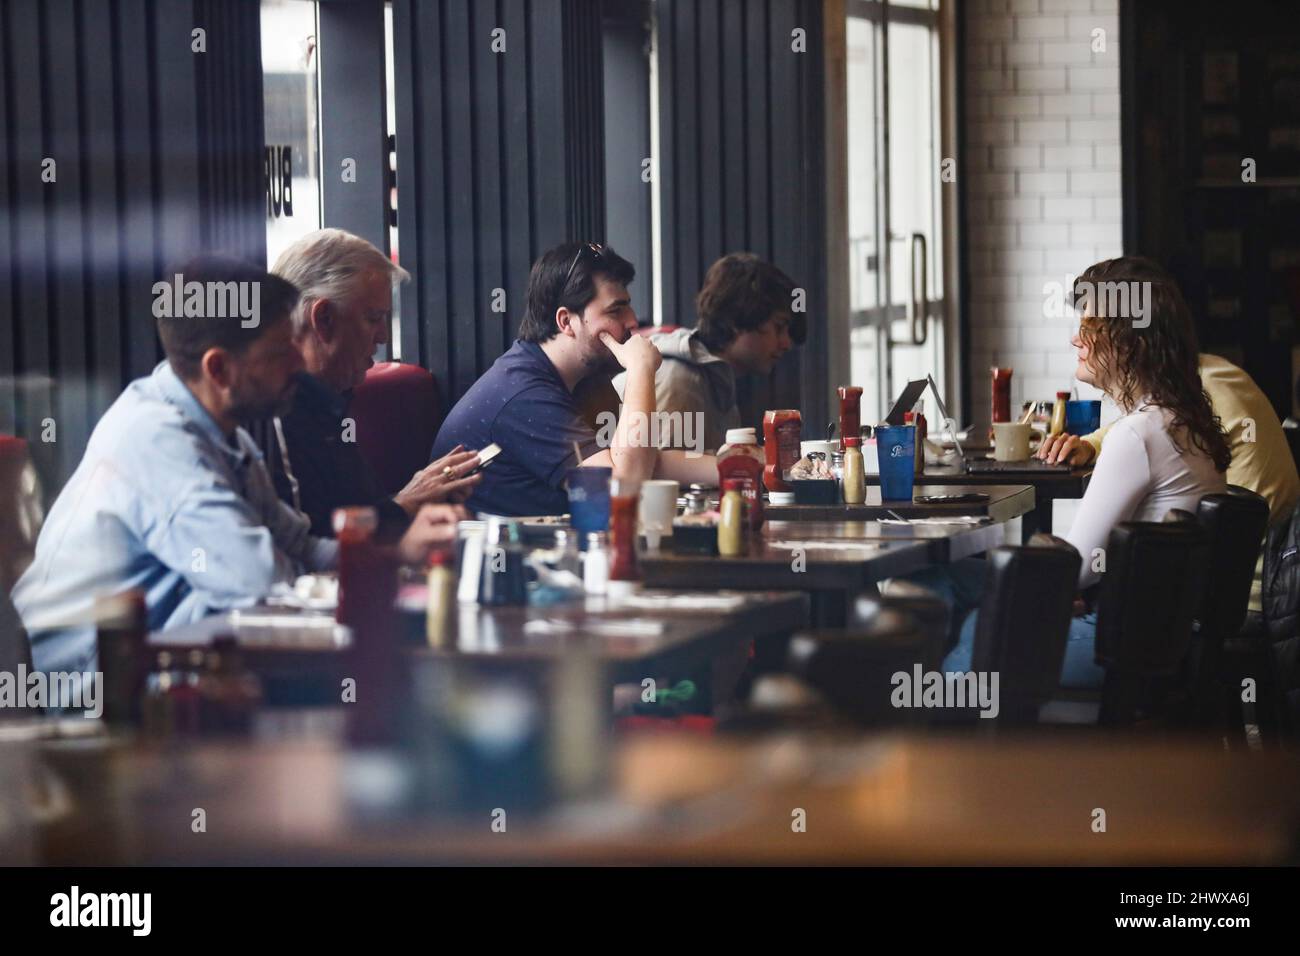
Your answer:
<point x="898" y="316"/>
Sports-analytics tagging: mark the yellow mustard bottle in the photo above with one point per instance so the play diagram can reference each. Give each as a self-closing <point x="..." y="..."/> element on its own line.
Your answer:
<point x="441" y="600"/>
<point x="855" y="472"/>
<point x="1058" y="414"/>
<point x="731" y="527"/>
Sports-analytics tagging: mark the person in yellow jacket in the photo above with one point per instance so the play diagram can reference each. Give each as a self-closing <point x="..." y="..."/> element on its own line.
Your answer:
<point x="1261" y="457"/>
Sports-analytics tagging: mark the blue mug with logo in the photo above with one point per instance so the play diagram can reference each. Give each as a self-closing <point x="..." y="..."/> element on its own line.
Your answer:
<point x="896" y="448"/>
<point x="589" y="500"/>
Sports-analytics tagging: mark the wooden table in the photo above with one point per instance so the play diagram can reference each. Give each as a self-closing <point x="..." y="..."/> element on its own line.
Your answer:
<point x="1048" y="486"/>
<point x="911" y="800"/>
<point x="835" y="552"/>
<point x="314" y="652"/>
<point x="1006" y="501"/>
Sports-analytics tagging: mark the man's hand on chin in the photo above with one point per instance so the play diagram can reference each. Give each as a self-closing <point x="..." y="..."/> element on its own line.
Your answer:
<point x="638" y="353"/>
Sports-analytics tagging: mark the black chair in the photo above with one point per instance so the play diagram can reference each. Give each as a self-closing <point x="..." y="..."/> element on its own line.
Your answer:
<point x="1023" y="623"/>
<point x="1235" y="523"/>
<point x="1150" y="593"/>
<point x="853" y="669"/>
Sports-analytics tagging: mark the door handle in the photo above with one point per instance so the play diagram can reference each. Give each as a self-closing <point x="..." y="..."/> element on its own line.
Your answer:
<point x="920" y="307"/>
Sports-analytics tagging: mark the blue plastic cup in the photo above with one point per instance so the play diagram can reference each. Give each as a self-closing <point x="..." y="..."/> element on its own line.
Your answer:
<point x="1082" y="417"/>
<point x="588" y="500"/>
<point x="896" y="447"/>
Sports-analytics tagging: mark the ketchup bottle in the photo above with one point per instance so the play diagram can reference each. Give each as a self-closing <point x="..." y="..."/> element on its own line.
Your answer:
<point x="623" y="499"/>
<point x="782" y="430"/>
<point x="850" y="411"/>
<point x="367" y="592"/>
<point x="916" y="418"/>
<point x="1001" y="410"/>
<point x="741" y="458"/>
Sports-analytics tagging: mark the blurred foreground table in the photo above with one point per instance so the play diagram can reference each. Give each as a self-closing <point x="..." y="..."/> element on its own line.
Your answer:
<point x="675" y="800"/>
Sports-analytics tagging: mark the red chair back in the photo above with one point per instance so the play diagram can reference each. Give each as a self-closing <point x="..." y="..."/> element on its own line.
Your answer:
<point x="397" y="410"/>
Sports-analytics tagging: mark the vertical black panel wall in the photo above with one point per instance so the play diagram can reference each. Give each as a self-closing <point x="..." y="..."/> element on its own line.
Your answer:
<point x="584" y="84"/>
<point x="156" y="152"/>
<point x="353" y="101"/>
<point x="742" y="165"/>
<point x="231" y="129"/>
<point x="499" y="157"/>
<point x="628" y="225"/>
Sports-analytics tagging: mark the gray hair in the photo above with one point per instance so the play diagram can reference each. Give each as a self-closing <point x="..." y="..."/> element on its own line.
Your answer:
<point x="326" y="264"/>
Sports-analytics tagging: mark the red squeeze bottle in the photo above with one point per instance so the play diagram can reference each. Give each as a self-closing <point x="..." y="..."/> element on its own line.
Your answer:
<point x="1001" y="411"/>
<point x="850" y="411"/>
<point x="367" y="592"/>
<point x="742" y="459"/>
<point x="782" y="430"/>
<point x="623" y="497"/>
<point x="917" y="420"/>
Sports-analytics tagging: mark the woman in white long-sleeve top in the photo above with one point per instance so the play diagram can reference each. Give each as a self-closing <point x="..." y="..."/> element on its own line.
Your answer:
<point x="1136" y="341"/>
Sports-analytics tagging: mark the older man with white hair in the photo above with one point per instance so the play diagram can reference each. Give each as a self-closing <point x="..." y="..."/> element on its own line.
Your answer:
<point x="344" y="315"/>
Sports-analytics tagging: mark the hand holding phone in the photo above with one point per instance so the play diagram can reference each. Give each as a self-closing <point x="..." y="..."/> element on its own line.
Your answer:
<point x="485" y="457"/>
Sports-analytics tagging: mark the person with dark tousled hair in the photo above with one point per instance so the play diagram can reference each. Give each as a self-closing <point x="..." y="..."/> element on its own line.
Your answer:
<point x="579" y="323"/>
<point x="171" y="497"/>
<point x="745" y="320"/>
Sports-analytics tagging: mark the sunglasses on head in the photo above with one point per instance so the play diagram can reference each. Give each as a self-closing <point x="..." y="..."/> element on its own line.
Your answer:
<point x="592" y="249"/>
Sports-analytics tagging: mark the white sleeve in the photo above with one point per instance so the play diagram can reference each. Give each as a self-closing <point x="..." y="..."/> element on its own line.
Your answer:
<point x="1121" y="480"/>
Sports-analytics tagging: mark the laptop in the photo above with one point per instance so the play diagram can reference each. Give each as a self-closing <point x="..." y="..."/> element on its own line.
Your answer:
<point x="907" y="399"/>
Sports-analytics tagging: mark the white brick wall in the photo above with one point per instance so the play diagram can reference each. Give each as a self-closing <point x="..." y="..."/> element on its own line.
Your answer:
<point x="1043" y="187"/>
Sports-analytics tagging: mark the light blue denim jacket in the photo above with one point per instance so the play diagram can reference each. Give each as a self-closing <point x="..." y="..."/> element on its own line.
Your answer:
<point x="164" y="502"/>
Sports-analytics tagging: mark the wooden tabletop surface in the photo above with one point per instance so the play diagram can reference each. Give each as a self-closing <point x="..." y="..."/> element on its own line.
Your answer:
<point x="675" y="799"/>
<point x="830" y="554"/>
<point x="1005" y="501"/>
<point x="626" y="638"/>
<point x="1047" y="484"/>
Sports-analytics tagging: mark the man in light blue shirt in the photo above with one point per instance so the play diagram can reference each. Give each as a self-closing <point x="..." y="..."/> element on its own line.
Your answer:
<point x="172" y="496"/>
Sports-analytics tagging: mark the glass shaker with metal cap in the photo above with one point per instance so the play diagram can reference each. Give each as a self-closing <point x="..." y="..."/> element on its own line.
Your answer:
<point x="697" y="500"/>
<point x="503" y="582"/>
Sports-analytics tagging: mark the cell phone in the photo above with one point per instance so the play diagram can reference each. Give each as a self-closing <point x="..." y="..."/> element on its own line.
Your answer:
<point x="970" y="498"/>
<point x="485" y="457"/>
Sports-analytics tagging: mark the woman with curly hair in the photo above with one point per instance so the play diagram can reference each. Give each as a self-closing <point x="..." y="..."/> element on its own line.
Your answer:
<point x="1136" y="342"/>
<point x="1169" y="448"/>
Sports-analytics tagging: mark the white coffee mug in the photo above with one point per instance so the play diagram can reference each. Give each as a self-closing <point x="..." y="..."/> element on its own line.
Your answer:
<point x="656" y="510"/>
<point x="825" y="447"/>
<point x="1011" y="441"/>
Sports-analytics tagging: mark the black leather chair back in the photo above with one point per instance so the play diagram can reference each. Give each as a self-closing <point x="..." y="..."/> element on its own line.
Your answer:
<point x="1151" y="591"/>
<point x="1023" y="623"/>
<point x="1235" y="522"/>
